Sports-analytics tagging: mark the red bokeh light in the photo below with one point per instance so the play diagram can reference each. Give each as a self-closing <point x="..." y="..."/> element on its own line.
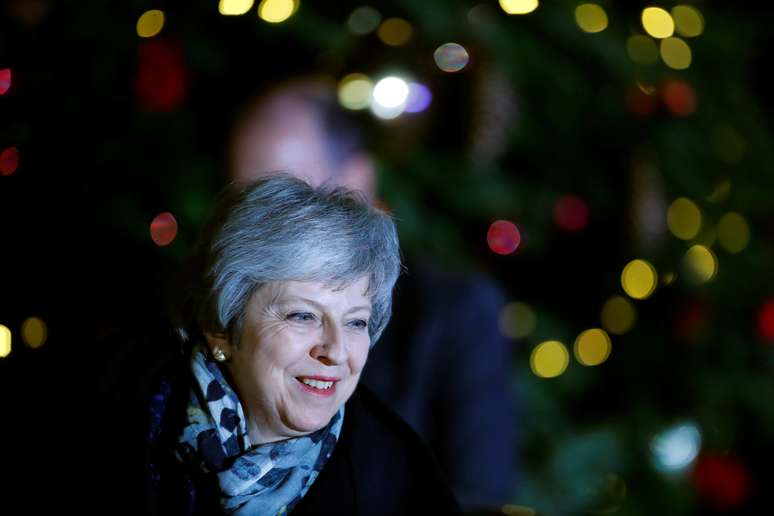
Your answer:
<point x="766" y="320"/>
<point x="723" y="480"/>
<point x="162" y="75"/>
<point x="679" y="97"/>
<point x="9" y="161"/>
<point x="5" y="80"/>
<point x="163" y="229"/>
<point x="503" y="237"/>
<point x="571" y="213"/>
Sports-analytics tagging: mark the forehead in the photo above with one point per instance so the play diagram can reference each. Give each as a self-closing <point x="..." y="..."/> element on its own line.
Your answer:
<point x="355" y="293"/>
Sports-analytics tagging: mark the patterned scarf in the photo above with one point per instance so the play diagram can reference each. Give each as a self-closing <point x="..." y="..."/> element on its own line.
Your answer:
<point x="266" y="479"/>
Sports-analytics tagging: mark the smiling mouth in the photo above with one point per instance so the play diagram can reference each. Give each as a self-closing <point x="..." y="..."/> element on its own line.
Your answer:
<point x="318" y="387"/>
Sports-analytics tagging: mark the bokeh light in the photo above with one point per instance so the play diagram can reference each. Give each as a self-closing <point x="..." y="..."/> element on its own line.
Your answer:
<point x="519" y="6"/>
<point x="766" y="320"/>
<point x="720" y="191"/>
<point x="5" y="80"/>
<point x="657" y="22"/>
<point x="364" y="20"/>
<point x="676" y="448"/>
<point x="549" y="359"/>
<point x="395" y="32"/>
<point x="642" y="49"/>
<point x="419" y="97"/>
<point x="668" y="278"/>
<point x="5" y="341"/>
<point x="234" y="7"/>
<point x="688" y="21"/>
<point x="277" y="11"/>
<point x="150" y="23"/>
<point x="618" y="315"/>
<point x="503" y="237"/>
<point x="592" y="347"/>
<point x="571" y="213"/>
<point x="9" y="161"/>
<point x="355" y="91"/>
<point x="675" y="53"/>
<point x="679" y="97"/>
<point x="700" y="263"/>
<point x="389" y="97"/>
<point x="34" y="332"/>
<point x="723" y="480"/>
<point x="684" y="218"/>
<point x="517" y="320"/>
<point x="639" y="279"/>
<point x="733" y="232"/>
<point x="451" y="57"/>
<point x="591" y="18"/>
<point x="163" y="229"/>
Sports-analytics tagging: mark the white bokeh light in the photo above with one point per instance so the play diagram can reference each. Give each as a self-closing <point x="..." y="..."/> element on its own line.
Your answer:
<point x="674" y="449"/>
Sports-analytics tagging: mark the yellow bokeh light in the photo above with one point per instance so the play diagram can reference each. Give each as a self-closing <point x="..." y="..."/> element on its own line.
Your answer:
<point x="618" y="315"/>
<point x="395" y="32"/>
<point x="684" y="218"/>
<point x="34" y="332"/>
<point x="519" y="6"/>
<point x="700" y="264"/>
<point x="277" y="11"/>
<point x="733" y="232"/>
<point x="234" y="7"/>
<point x="668" y="278"/>
<point x="657" y="22"/>
<point x="5" y="341"/>
<point x="591" y="18"/>
<point x="639" y="279"/>
<point x="549" y="359"/>
<point x="642" y="49"/>
<point x="675" y="53"/>
<point x="688" y="21"/>
<point x="517" y="320"/>
<point x="355" y="91"/>
<point x="150" y="23"/>
<point x="592" y="347"/>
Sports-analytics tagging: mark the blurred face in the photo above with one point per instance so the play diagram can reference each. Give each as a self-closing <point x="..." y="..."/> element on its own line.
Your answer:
<point x="299" y="357"/>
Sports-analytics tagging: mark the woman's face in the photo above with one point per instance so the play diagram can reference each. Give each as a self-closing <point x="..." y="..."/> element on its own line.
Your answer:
<point x="299" y="357"/>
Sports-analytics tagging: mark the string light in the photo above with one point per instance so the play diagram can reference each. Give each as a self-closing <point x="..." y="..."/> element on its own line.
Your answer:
<point x="395" y="32"/>
<point x="519" y="6"/>
<point x="163" y="229"/>
<point x="364" y="20"/>
<point x="34" y="332"/>
<point x="277" y="11"/>
<point x="355" y="91"/>
<point x="675" y="53"/>
<point x="592" y="347"/>
<point x="700" y="263"/>
<point x="503" y="237"/>
<point x="657" y="22"/>
<point x="684" y="218"/>
<point x="549" y="359"/>
<point x="150" y="23"/>
<point x="618" y="315"/>
<point x="676" y="448"/>
<point x="591" y="18"/>
<point x="234" y="7"/>
<point x="639" y="279"/>
<point x="688" y="21"/>
<point x="5" y="341"/>
<point x="517" y="320"/>
<point x="451" y="57"/>
<point x="642" y="49"/>
<point x="5" y="80"/>
<point x="733" y="232"/>
<point x="9" y="161"/>
<point x="389" y="97"/>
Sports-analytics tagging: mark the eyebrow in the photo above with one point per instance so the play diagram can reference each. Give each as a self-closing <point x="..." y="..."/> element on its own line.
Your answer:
<point x="322" y="308"/>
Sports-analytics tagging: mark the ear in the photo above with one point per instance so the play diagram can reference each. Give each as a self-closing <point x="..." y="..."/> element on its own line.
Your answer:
<point x="219" y="341"/>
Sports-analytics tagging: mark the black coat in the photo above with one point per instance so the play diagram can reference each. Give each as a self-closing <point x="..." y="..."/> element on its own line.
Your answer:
<point x="379" y="466"/>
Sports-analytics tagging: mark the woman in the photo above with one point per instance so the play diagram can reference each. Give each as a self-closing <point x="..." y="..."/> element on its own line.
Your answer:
<point x="261" y="412"/>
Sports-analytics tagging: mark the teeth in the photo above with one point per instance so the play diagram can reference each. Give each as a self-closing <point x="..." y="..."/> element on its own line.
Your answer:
<point x="317" y="384"/>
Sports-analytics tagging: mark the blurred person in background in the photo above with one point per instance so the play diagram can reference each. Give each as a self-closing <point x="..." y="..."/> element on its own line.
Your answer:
<point x="443" y="364"/>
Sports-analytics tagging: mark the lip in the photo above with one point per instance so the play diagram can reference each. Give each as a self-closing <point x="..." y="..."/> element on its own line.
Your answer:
<point x="318" y="392"/>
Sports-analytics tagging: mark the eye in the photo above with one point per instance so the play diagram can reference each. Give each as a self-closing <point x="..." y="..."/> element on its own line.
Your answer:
<point x="358" y="324"/>
<point x="301" y="317"/>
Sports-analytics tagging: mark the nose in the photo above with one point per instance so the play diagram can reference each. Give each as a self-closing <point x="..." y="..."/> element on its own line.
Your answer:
<point x="330" y="349"/>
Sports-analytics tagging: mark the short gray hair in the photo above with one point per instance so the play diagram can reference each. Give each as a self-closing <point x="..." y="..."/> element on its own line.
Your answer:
<point x="279" y="228"/>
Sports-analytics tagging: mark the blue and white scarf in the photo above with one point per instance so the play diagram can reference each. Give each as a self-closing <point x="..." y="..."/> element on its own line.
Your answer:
<point x="266" y="479"/>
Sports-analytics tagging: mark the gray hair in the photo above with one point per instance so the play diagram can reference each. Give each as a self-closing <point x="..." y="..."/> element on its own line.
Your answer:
<point x="280" y="228"/>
